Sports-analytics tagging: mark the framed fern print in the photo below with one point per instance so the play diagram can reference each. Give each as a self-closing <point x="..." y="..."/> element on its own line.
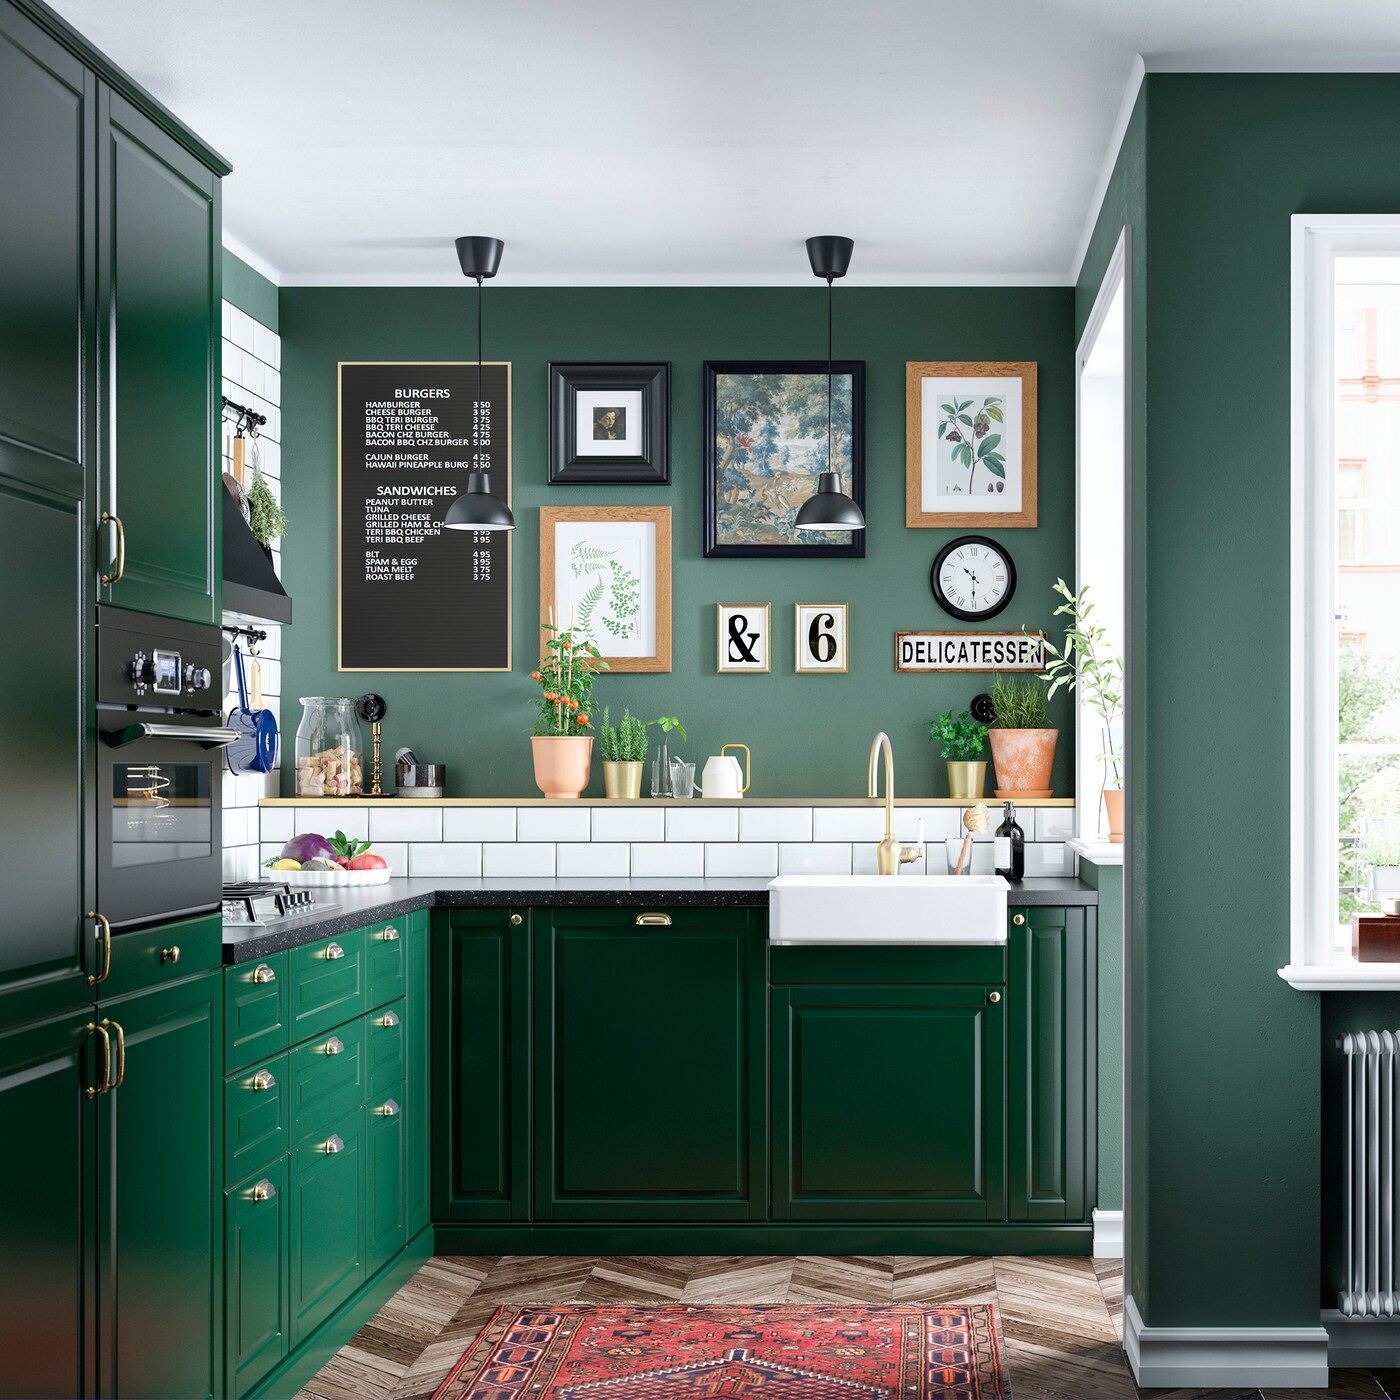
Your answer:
<point x="606" y="573"/>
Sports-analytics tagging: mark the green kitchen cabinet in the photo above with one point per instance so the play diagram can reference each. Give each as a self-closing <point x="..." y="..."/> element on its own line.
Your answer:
<point x="1052" y="1069"/>
<point x="386" y="1214"/>
<point x="159" y="273"/>
<point x="888" y="1103"/>
<point x="417" y="1074"/>
<point x="481" y="1081"/>
<point x="649" y="1065"/>
<point x="257" y="1309"/>
<point x="326" y="1239"/>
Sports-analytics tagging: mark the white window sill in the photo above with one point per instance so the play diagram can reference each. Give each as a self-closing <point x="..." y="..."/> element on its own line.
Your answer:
<point x="1343" y="977"/>
<point x="1100" y="852"/>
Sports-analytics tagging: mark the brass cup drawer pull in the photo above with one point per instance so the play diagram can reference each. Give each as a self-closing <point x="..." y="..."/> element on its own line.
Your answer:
<point x="104" y="933"/>
<point x="389" y="1109"/>
<point x="335" y="1143"/>
<point x="390" y="935"/>
<point x="106" y="1081"/>
<point x="263" y="1080"/>
<point x="170" y="954"/>
<point x="116" y="575"/>
<point x="334" y="951"/>
<point x="263" y="974"/>
<point x="264" y="1190"/>
<point x="653" y="921"/>
<point x="335" y="1046"/>
<point x="391" y="1018"/>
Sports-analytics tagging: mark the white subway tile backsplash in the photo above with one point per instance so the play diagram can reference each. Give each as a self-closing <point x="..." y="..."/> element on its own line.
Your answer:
<point x="939" y="822"/>
<point x="552" y="824"/>
<point x="478" y="824"/>
<point x="240" y="328"/>
<point x="225" y="317"/>
<point x="848" y="823"/>
<point x="240" y="826"/>
<point x="583" y="860"/>
<point x="240" y="863"/>
<point x="522" y="858"/>
<point x="814" y="858"/>
<point x="445" y="858"/>
<point x="1049" y="858"/>
<point x="742" y="858"/>
<point x="267" y="346"/>
<point x="775" y="824"/>
<point x="412" y="821"/>
<point x="702" y="823"/>
<point x="395" y="852"/>
<point x="252" y="376"/>
<point x="353" y="821"/>
<point x="272" y="384"/>
<point x="668" y="858"/>
<point x="1051" y="823"/>
<point x="629" y="824"/>
<point x="277" y="823"/>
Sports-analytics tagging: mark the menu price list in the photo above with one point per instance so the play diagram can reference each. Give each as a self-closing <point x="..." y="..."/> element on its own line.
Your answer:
<point x="415" y="596"/>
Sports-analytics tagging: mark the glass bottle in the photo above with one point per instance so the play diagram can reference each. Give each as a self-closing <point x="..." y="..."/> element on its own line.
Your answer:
<point x="330" y="748"/>
<point x="1010" y="849"/>
<point x="661" y="770"/>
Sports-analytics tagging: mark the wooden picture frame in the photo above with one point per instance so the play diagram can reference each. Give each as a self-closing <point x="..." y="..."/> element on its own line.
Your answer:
<point x="730" y="644"/>
<point x="993" y="427"/>
<point x="813" y="625"/>
<point x="632" y="446"/>
<point x="941" y="652"/>
<point x="616" y="563"/>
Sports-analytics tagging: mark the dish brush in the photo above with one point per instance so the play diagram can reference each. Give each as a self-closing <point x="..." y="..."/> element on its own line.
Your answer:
<point x="974" y="819"/>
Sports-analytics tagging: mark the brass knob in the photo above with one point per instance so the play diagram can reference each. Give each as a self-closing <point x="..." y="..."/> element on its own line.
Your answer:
<point x="263" y="1080"/>
<point x="993" y="997"/>
<point x="1018" y="919"/>
<point x="170" y="954"/>
<point x="264" y="1190"/>
<point x="390" y="935"/>
<point x="653" y="920"/>
<point x="335" y="1046"/>
<point x="515" y="919"/>
<point x="391" y="1018"/>
<point x="334" y="951"/>
<point x="262" y="973"/>
<point x="334" y="1144"/>
<point x="390" y="1109"/>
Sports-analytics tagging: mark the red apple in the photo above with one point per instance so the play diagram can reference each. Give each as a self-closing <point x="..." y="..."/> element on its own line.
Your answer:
<point x="368" y="862"/>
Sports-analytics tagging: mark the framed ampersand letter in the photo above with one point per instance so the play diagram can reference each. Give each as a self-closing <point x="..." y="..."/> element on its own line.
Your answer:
<point x="742" y="639"/>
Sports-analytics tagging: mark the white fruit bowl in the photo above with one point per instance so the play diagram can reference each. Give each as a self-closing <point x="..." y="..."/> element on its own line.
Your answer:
<point x="318" y="878"/>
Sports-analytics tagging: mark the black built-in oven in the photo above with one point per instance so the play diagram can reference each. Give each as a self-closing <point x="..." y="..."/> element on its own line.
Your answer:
<point x="160" y="744"/>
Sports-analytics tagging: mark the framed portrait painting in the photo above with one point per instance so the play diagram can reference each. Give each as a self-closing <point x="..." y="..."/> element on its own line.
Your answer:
<point x="605" y="574"/>
<point x="610" y="423"/>
<point x="765" y="445"/>
<point x="970" y="448"/>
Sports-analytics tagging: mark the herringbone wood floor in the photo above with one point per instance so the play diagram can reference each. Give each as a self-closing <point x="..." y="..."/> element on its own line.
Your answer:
<point x="1060" y="1318"/>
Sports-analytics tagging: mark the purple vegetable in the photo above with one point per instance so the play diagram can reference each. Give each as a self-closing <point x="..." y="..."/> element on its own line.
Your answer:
<point x="307" y="847"/>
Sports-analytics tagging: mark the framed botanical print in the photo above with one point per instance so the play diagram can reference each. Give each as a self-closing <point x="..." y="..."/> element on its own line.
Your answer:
<point x="610" y="423"/>
<point x="606" y="573"/>
<point x="970" y="444"/>
<point x="820" y="637"/>
<point x="742" y="638"/>
<point x="766" y="444"/>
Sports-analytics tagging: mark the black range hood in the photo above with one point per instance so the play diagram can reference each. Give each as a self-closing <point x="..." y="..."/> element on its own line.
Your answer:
<point x="252" y="590"/>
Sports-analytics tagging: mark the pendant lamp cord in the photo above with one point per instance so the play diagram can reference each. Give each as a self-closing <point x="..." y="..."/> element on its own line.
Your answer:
<point x="830" y="426"/>
<point x="476" y="407"/>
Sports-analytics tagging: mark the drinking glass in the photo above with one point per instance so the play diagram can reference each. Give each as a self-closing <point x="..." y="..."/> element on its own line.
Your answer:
<point x="682" y="778"/>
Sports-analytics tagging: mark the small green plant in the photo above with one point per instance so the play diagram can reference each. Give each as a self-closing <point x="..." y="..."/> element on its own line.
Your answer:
<point x="1019" y="704"/>
<point x="1382" y="851"/>
<point x="668" y="723"/>
<point x="265" y="517"/>
<point x="962" y="738"/>
<point x="625" y="743"/>
<point x="1087" y="663"/>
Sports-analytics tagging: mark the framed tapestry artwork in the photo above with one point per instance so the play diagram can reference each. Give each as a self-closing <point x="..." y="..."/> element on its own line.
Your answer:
<point x="742" y="636"/>
<point x="766" y="444"/>
<point x="610" y="423"/>
<point x="970" y="446"/>
<point x="606" y="573"/>
<point x="821" y="637"/>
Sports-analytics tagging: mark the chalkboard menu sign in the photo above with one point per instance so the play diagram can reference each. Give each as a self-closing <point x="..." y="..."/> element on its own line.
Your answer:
<point x="413" y="595"/>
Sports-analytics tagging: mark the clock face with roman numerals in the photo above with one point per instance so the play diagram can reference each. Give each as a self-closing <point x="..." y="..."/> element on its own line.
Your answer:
<point x="973" y="578"/>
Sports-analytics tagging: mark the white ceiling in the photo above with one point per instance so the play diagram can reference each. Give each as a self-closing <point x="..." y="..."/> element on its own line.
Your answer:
<point x="636" y="142"/>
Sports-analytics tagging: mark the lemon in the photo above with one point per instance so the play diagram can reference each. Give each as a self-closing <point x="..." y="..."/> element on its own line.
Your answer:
<point x="285" y="865"/>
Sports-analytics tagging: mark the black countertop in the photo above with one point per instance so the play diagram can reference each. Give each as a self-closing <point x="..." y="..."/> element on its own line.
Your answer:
<point x="358" y="907"/>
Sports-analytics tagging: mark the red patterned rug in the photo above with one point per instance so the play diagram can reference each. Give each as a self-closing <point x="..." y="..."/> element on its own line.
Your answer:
<point x="538" y="1352"/>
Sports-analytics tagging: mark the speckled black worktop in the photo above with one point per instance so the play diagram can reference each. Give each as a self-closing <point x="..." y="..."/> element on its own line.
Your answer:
<point x="359" y="907"/>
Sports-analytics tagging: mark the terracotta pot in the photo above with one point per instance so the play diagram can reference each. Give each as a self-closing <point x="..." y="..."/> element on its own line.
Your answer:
<point x="622" y="778"/>
<point x="1113" y="805"/>
<point x="966" y="779"/>
<point x="562" y="763"/>
<point x="1023" y="759"/>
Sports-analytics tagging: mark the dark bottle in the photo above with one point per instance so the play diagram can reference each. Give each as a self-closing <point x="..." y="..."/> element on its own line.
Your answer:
<point x="1015" y="856"/>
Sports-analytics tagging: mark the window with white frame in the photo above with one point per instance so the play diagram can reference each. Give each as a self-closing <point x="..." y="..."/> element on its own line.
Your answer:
<point x="1346" y="591"/>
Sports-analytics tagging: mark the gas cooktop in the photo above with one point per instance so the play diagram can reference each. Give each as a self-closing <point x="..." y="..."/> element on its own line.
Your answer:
<point x="265" y="904"/>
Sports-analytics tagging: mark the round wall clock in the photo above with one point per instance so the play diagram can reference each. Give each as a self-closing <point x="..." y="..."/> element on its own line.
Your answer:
<point x="973" y="578"/>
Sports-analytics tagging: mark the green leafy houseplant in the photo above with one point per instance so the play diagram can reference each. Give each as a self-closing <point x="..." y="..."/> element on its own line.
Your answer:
<point x="265" y="517"/>
<point x="1382" y="852"/>
<point x="962" y="738"/>
<point x="624" y="743"/>
<point x="1087" y="663"/>
<point x="1019" y="703"/>
<point x="565" y="677"/>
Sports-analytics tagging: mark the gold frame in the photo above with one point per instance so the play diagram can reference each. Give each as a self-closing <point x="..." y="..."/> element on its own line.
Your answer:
<point x="915" y="516"/>
<point x="510" y="534"/>
<point x="660" y="517"/>
<point x="845" y="666"/>
<point x="767" y="666"/>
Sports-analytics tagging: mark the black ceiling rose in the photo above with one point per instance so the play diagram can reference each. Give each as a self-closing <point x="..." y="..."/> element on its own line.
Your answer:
<point x="830" y="254"/>
<point x="480" y="257"/>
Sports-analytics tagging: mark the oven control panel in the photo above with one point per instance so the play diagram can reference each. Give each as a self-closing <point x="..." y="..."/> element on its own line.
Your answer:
<point x="156" y="663"/>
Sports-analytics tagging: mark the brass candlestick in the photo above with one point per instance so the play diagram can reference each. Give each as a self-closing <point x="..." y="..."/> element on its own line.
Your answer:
<point x="372" y="709"/>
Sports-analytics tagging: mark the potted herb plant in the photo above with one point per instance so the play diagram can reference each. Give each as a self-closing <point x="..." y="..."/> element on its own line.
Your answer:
<point x="624" y="752"/>
<point x="1023" y="749"/>
<point x="963" y="740"/>
<point x="1383" y="859"/>
<point x="563" y="738"/>
<point x="1088" y="663"/>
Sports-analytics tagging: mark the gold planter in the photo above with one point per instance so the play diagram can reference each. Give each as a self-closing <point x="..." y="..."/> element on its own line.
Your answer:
<point x="622" y="779"/>
<point x="966" y="779"/>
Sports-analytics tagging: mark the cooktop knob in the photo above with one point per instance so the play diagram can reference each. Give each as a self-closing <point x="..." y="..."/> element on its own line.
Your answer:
<point x="197" y="677"/>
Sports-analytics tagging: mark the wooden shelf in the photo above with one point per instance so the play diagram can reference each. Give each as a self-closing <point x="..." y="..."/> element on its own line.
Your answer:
<point x="649" y="802"/>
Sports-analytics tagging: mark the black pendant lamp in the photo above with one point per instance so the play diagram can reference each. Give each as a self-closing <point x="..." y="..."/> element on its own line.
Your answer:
<point x="478" y="509"/>
<point x="830" y="508"/>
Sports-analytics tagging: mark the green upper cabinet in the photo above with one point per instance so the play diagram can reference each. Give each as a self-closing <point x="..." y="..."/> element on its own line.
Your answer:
<point x="159" y="277"/>
<point x="888" y="1103"/>
<point x="649" y="1065"/>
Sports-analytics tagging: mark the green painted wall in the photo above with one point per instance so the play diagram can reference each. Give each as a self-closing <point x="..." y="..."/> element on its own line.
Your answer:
<point x="250" y="291"/>
<point x="809" y="735"/>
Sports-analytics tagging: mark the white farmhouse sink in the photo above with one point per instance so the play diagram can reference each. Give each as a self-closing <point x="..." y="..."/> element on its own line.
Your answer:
<point x="868" y="909"/>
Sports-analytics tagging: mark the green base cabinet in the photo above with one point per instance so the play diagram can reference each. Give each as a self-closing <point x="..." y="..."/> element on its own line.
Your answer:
<point x="257" y="1315"/>
<point x="386" y="1215"/>
<point x="417" y="1075"/>
<point x="327" y="1229"/>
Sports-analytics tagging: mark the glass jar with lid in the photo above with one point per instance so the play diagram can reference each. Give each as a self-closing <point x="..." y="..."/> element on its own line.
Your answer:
<point x="329" y="748"/>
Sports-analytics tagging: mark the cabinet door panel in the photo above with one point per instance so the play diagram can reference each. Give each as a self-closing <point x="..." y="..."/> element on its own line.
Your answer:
<point x="327" y="1232"/>
<point x="888" y="1103"/>
<point x="418" y="1073"/>
<point x="385" y="1203"/>
<point x="258" y="1317"/>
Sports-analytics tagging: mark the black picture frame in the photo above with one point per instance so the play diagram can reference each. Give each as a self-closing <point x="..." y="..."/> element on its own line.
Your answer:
<point x="651" y="466"/>
<point x="854" y="487"/>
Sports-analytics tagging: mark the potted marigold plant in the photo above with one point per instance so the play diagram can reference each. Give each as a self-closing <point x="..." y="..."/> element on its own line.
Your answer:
<point x="563" y="737"/>
<point x="962" y="739"/>
<point x="1023" y="749"/>
<point x="624" y="752"/>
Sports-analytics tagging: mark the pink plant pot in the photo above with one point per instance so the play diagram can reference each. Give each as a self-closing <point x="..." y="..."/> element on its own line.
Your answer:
<point x="562" y="763"/>
<point x="1113" y="805"/>
<point x="1023" y="758"/>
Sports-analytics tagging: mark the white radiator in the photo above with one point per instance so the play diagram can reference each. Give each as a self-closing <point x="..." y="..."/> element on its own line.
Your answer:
<point x="1371" y="1191"/>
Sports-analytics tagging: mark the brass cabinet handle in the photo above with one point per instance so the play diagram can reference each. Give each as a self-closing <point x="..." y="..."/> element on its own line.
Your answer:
<point x="106" y="1083"/>
<point x="391" y="1018"/>
<point x="334" y="1144"/>
<point x="334" y="951"/>
<point x="262" y="974"/>
<point x="104" y="933"/>
<point x="1018" y="919"/>
<point x="654" y="920"/>
<point x="170" y="954"/>
<point x="121" y="1054"/>
<point x="516" y="919"/>
<point x="993" y="997"/>
<point x="264" y="1190"/>
<point x="335" y="1046"/>
<point x="263" y="1080"/>
<point x="390" y="1109"/>
<point x="109" y="519"/>
<point x="390" y="935"/>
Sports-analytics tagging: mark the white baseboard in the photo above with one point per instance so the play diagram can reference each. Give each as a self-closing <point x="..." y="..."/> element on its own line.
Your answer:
<point x="1361" y="1341"/>
<point x="1202" y="1358"/>
<point x="1108" y="1234"/>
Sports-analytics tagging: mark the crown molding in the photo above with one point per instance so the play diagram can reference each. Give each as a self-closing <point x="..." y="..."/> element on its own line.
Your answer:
<point x="1136" y="72"/>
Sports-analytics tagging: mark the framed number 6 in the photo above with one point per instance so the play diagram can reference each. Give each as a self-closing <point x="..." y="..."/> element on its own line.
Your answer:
<point x="821" y="637"/>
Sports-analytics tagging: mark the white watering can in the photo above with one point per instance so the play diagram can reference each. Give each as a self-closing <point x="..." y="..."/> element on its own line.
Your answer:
<point x="723" y="776"/>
